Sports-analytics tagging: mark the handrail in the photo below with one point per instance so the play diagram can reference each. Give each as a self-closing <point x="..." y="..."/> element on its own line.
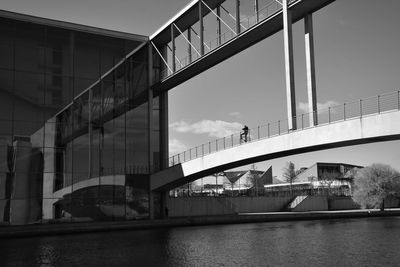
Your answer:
<point x="350" y="110"/>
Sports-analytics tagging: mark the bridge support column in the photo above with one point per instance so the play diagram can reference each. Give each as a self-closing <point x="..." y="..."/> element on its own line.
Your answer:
<point x="201" y="33"/>
<point x="310" y="64"/>
<point x="150" y="157"/>
<point x="289" y="66"/>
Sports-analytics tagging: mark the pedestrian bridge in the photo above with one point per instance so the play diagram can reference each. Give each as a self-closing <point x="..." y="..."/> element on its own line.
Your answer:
<point x="373" y="123"/>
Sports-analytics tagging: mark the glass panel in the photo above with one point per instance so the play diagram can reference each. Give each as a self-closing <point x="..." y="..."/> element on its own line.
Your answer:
<point x="29" y="87"/>
<point x="87" y="62"/>
<point x="80" y="158"/>
<point x="58" y="91"/>
<point x="29" y="58"/>
<point x="6" y="105"/>
<point x="7" y="56"/>
<point x="7" y="82"/>
<point x="137" y="139"/>
<point x="29" y="34"/>
<point x="81" y="84"/>
<point x="7" y="27"/>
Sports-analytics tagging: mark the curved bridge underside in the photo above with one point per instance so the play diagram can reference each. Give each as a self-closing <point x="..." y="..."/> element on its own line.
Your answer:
<point x="369" y="129"/>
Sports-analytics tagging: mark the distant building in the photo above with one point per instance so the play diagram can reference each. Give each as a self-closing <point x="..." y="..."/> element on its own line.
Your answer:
<point x="247" y="180"/>
<point x="324" y="177"/>
<point x="323" y="170"/>
<point x="228" y="183"/>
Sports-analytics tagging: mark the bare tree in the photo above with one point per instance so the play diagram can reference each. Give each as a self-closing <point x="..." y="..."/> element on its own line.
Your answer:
<point x="289" y="174"/>
<point x="375" y="183"/>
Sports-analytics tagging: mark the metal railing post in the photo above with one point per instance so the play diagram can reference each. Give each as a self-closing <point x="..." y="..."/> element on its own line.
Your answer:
<point x="258" y="132"/>
<point x="202" y="149"/>
<point x="268" y="129"/>
<point x="179" y="158"/>
<point x="302" y="125"/>
<point x="361" y="108"/>
<point x="216" y="145"/>
<point x="344" y="111"/>
<point x="224" y="143"/>
<point x="209" y="147"/>
<point x="329" y="115"/>
<point x="398" y="100"/>
<point x="379" y="105"/>
<point x="196" y="152"/>
<point x="279" y="127"/>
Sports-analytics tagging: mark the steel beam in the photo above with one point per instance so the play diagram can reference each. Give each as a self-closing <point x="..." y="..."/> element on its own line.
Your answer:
<point x="219" y="25"/>
<point x="189" y="38"/>
<point x="256" y="11"/>
<point x="173" y="48"/>
<point x="201" y="33"/>
<point x="237" y="16"/>
<point x="289" y="66"/>
<point x="310" y="64"/>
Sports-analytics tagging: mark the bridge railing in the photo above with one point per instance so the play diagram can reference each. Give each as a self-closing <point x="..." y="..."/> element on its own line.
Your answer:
<point x="351" y="110"/>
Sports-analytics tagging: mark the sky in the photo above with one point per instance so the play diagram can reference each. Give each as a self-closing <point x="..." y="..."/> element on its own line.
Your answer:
<point x="356" y="53"/>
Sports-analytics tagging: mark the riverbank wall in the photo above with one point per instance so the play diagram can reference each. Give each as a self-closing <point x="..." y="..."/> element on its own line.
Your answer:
<point x="87" y="227"/>
<point x="210" y="206"/>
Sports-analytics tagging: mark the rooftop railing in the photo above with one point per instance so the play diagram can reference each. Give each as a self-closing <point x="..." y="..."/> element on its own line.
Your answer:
<point x="352" y="110"/>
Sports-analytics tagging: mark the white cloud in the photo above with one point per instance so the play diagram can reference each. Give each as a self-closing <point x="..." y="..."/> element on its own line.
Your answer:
<point x="235" y="114"/>
<point x="320" y="106"/>
<point x="216" y="128"/>
<point x="176" y="146"/>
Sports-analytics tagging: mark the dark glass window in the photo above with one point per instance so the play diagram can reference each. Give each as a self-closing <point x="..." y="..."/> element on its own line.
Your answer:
<point x="29" y="34"/>
<point x="6" y="56"/>
<point x="29" y="58"/>
<point x="87" y="62"/>
<point x="7" y="27"/>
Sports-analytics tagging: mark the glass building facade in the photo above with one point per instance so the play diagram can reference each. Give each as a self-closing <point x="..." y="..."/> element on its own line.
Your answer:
<point x="74" y="122"/>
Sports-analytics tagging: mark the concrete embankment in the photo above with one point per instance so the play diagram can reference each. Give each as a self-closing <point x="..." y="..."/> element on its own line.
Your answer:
<point x="86" y="227"/>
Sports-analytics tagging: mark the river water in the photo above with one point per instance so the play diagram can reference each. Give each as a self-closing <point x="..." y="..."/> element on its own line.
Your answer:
<point x="351" y="242"/>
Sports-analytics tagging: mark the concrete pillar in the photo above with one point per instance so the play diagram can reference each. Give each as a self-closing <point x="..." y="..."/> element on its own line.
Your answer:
<point x="201" y="33"/>
<point x="164" y="149"/>
<point x="150" y="125"/>
<point x="237" y="16"/>
<point x="219" y="25"/>
<point x="310" y="65"/>
<point x="189" y="37"/>
<point x="164" y="130"/>
<point x="289" y="66"/>
<point x="173" y="48"/>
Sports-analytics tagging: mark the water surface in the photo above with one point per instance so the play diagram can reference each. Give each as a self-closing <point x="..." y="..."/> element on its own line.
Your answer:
<point x="351" y="242"/>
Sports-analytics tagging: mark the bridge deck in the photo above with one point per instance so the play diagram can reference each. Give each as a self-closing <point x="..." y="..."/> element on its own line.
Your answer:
<point x="372" y="128"/>
<point x="245" y="39"/>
